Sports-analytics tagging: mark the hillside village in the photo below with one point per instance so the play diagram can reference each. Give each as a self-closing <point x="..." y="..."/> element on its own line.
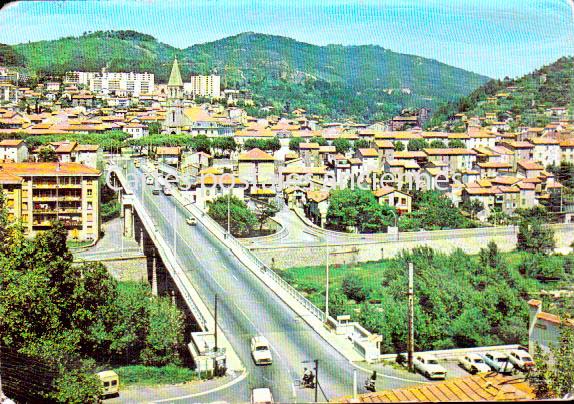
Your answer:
<point x="486" y="170"/>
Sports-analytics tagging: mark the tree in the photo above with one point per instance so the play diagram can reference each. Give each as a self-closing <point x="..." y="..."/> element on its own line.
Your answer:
<point x="534" y="237"/>
<point x="295" y="142"/>
<point x="47" y="154"/>
<point x="437" y="144"/>
<point x="456" y="144"/>
<point x="154" y="128"/>
<point x="242" y="219"/>
<point x="399" y="146"/>
<point x="265" y="211"/>
<point x="433" y="210"/>
<point x="342" y="145"/>
<point x="490" y="256"/>
<point x="165" y="335"/>
<point x="358" y="209"/>
<point x="354" y="289"/>
<point x="473" y="206"/>
<point x="361" y="144"/>
<point x="417" y="144"/>
<point x="76" y="386"/>
<point x="555" y="378"/>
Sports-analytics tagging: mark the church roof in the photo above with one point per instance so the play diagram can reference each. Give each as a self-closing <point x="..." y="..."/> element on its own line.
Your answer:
<point x="175" y="76"/>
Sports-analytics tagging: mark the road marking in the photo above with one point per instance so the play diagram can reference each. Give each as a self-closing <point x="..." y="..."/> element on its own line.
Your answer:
<point x="214" y="390"/>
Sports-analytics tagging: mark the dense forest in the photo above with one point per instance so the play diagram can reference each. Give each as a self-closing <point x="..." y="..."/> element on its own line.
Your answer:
<point x="528" y="97"/>
<point x="362" y="82"/>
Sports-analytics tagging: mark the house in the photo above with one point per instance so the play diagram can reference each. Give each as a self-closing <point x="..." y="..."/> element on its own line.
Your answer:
<point x="257" y="168"/>
<point x="13" y="150"/>
<point x="482" y="387"/>
<point x="369" y="158"/>
<point x="88" y="155"/>
<point x="317" y="206"/>
<point x="309" y="152"/>
<point x="40" y="193"/>
<point x="213" y="186"/>
<point x="493" y="169"/>
<point x="529" y="169"/>
<point x="567" y="150"/>
<point x="401" y="201"/>
<point x="457" y="159"/>
<point x="521" y="150"/>
<point x="169" y="155"/>
<point x="136" y="130"/>
<point x="546" y="151"/>
<point x="385" y="148"/>
<point x="66" y="151"/>
<point x="544" y="328"/>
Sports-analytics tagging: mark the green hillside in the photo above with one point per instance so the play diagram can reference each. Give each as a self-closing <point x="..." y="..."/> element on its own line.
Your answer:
<point x="529" y="96"/>
<point x="364" y="82"/>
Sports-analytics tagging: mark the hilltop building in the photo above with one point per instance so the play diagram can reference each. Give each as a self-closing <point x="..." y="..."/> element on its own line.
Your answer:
<point x="204" y="86"/>
<point x="105" y="82"/>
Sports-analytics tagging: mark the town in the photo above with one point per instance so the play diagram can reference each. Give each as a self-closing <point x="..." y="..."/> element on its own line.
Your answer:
<point x="181" y="240"/>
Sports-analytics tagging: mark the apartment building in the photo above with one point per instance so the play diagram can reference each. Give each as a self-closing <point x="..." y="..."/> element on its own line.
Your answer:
<point x="546" y="151"/>
<point x="456" y="159"/>
<point x="38" y="194"/>
<point x="204" y="86"/>
<point x="105" y="82"/>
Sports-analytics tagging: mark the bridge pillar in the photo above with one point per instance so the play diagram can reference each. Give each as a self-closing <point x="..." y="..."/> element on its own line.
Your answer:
<point x="154" y="289"/>
<point x="128" y="221"/>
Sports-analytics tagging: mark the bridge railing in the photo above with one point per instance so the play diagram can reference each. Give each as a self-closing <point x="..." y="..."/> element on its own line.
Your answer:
<point x="218" y="231"/>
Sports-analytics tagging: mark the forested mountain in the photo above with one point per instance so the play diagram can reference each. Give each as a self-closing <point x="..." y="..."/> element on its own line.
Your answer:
<point x="528" y="96"/>
<point x="364" y="82"/>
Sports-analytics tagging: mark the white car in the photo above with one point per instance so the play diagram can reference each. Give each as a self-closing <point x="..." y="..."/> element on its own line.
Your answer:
<point x="473" y="363"/>
<point x="498" y="361"/>
<point x="521" y="359"/>
<point x="261" y="350"/>
<point x="149" y="180"/>
<point x="428" y="365"/>
<point x="192" y="221"/>
<point x="261" y="396"/>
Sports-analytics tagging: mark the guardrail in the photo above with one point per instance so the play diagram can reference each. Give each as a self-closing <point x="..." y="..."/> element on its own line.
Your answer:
<point x="227" y="239"/>
<point x="181" y="283"/>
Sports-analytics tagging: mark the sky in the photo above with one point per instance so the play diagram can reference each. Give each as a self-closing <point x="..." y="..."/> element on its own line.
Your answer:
<point x="496" y="38"/>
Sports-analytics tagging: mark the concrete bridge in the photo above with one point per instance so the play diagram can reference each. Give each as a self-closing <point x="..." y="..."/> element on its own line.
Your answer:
<point x="204" y="261"/>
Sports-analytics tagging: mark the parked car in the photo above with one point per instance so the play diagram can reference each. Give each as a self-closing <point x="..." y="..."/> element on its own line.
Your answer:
<point x="192" y="221"/>
<point x="521" y="359"/>
<point x="428" y="365"/>
<point x="110" y="383"/>
<point x="261" y="396"/>
<point x="498" y="361"/>
<point x="261" y="350"/>
<point x="473" y="363"/>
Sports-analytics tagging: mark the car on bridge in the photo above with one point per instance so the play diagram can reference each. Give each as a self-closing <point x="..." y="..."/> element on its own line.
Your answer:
<point x="260" y="350"/>
<point x="428" y="365"/>
<point x="149" y="180"/>
<point x="498" y="361"/>
<point x="192" y="221"/>
<point x="155" y="191"/>
<point x="473" y="363"/>
<point x="262" y="396"/>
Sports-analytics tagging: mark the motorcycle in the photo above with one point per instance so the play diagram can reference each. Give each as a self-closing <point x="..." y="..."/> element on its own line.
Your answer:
<point x="370" y="385"/>
<point x="308" y="381"/>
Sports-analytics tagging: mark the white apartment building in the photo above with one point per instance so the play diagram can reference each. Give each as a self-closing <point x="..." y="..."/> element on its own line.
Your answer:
<point x="204" y="86"/>
<point x="105" y="82"/>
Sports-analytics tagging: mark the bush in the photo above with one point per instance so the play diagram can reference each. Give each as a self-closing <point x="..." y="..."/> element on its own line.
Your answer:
<point x="149" y="375"/>
<point x="354" y="288"/>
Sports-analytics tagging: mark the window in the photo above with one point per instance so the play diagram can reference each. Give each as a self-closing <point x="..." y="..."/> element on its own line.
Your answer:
<point x="89" y="192"/>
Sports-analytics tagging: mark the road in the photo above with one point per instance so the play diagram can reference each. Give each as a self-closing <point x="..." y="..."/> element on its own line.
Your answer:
<point x="247" y="308"/>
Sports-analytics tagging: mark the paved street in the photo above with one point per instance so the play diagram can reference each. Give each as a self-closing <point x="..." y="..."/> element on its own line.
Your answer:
<point x="247" y="308"/>
<point x="111" y="245"/>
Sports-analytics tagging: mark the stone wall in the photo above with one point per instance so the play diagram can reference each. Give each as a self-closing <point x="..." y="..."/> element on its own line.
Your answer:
<point x="133" y="269"/>
<point x="469" y="240"/>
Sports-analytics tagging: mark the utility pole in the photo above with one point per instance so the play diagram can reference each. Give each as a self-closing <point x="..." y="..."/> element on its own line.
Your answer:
<point x="316" y="379"/>
<point x="411" y="331"/>
<point x="175" y="231"/>
<point x="327" y="286"/>
<point x="229" y="212"/>
<point x="215" y="328"/>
